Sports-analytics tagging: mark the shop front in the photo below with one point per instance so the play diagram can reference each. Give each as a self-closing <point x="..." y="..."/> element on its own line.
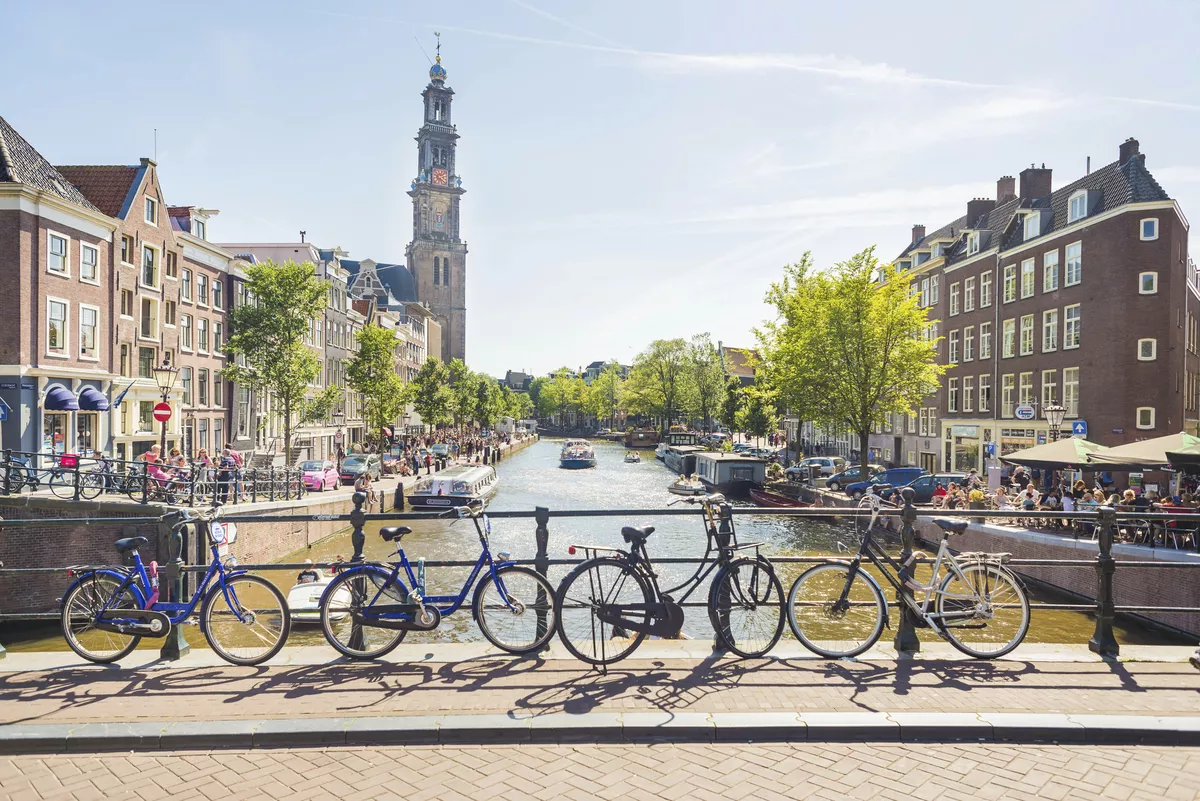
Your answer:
<point x="70" y="418"/>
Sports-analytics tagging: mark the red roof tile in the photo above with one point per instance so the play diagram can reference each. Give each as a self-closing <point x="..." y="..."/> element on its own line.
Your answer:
<point x="104" y="185"/>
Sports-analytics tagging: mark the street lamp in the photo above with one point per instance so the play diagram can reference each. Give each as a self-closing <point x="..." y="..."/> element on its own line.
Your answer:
<point x="1054" y="415"/>
<point x="164" y="376"/>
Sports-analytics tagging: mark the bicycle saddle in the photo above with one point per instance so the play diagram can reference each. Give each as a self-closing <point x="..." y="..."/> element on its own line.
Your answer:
<point x="129" y="544"/>
<point x="951" y="526"/>
<point x="631" y="533"/>
<point x="393" y="533"/>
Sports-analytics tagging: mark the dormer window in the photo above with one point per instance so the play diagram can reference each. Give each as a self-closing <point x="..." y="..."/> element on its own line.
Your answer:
<point x="936" y="250"/>
<point x="972" y="243"/>
<point x="920" y="258"/>
<point x="198" y="228"/>
<point x="1033" y="225"/>
<point x="1078" y="208"/>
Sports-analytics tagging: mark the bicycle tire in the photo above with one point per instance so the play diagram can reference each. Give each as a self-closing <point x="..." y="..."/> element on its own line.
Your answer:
<point x="730" y="581"/>
<point x="90" y="485"/>
<point x="87" y="596"/>
<point x="343" y="598"/>
<point x="824" y="622"/>
<point x="273" y="619"/>
<point x="584" y="602"/>
<point x="1021" y="625"/>
<point x="62" y="484"/>
<point x="16" y="480"/>
<point x="542" y="601"/>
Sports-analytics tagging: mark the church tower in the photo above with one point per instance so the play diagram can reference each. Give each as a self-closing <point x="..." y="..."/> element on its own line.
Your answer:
<point x="437" y="257"/>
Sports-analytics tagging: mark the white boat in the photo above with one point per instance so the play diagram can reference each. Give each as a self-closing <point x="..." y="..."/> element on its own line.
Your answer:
<point x="456" y="486"/>
<point x="686" y="485"/>
<point x="577" y="454"/>
<point x="632" y="458"/>
<point x="681" y="459"/>
<point x="304" y="598"/>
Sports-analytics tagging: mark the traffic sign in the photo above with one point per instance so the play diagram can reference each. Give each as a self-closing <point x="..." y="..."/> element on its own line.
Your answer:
<point x="3" y="413"/>
<point x="162" y="411"/>
<point x="1025" y="412"/>
<point x="1079" y="428"/>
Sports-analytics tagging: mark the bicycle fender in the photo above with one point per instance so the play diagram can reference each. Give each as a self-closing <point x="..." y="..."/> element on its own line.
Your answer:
<point x="114" y="574"/>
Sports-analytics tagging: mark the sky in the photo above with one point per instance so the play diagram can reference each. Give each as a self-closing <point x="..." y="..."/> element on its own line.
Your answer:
<point x="634" y="170"/>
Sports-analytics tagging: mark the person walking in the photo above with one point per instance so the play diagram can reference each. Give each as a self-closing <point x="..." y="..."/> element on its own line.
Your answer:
<point x="226" y="468"/>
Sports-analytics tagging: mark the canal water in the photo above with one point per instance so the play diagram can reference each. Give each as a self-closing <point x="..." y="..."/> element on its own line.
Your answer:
<point x="533" y="478"/>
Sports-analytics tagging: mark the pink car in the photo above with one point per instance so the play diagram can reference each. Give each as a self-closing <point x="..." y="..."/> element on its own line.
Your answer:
<point x="319" y="476"/>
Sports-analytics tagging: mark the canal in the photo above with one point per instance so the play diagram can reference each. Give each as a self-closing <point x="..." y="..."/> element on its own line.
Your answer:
<point x="533" y="478"/>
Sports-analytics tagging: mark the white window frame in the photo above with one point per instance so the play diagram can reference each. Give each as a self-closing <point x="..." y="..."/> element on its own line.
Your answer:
<point x="1138" y="417"/>
<point x="165" y="309"/>
<point x="1008" y="344"/>
<point x="1141" y="356"/>
<point x="186" y="282"/>
<point x="150" y="211"/>
<point x="923" y="416"/>
<point x="156" y="316"/>
<point x="1049" y="324"/>
<point x="924" y="292"/>
<point x="1078" y="325"/>
<point x="1073" y="213"/>
<point x="985" y="337"/>
<point x="1028" y="278"/>
<point x="1142" y="230"/>
<point x="186" y="333"/>
<point x="199" y="229"/>
<point x="954" y="296"/>
<point x="952" y="351"/>
<point x="1032" y="226"/>
<point x="985" y="380"/>
<point x="207" y="333"/>
<point x="1071" y="401"/>
<point x="969" y="294"/>
<point x="65" y="352"/>
<point x="968" y="354"/>
<point x="952" y="395"/>
<point x="1008" y="395"/>
<point x="968" y="393"/>
<point x="96" y="336"/>
<point x="1053" y="383"/>
<point x="1026" y="341"/>
<point x="65" y="272"/>
<point x="934" y="291"/>
<point x="1010" y="271"/>
<point x="133" y="295"/>
<point x="985" y="289"/>
<point x="1141" y="283"/>
<point x="132" y="247"/>
<point x="202" y="300"/>
<point x="1050" y="260"/>
<point x="972" y="243"/>
<point x="158" y="267"/>
<point x="1067" y="267"/>
<point x="83" y="247"/>
<point x="1025" y="392"/>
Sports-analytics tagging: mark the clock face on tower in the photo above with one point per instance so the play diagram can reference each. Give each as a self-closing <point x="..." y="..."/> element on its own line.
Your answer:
<point x="441" y="176"/>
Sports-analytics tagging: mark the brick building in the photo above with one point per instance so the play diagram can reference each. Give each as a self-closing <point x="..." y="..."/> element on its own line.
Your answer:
<point x="1082" y="296"/>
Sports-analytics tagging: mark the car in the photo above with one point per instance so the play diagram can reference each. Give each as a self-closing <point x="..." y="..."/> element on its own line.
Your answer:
<point x="714" y="440"/>
<point x="603" y="432"/>
<point x="892" y="477"/>
<point x="924" y="486"/>
<point x="827" y="465"/>
<point x="738" y="447"/>
<point x="356" y="464"/>
<point x="724" y="430"/>
<point x="761" y="453"/>
<point x="441" y="450"/>
<point x="850" y="475"/>
<point x="319" y="476"/>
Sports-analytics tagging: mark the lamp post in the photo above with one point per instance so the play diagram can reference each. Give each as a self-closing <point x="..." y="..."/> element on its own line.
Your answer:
<point x="1054" y="415"/>
<point x="164" y="376"/>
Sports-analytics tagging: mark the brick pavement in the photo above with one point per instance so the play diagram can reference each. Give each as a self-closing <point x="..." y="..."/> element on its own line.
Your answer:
<point x="633" y="772"/>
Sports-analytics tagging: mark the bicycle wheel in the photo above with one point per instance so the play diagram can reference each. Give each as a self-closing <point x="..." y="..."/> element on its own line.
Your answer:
<point x="83" y="601"/>
<point x="997" y="606"/>
<point x="523" y="623"/>
<point x="246" y="621"/>
<point x="347" y="595"/>
<point x="833" y="614"/>
<point x="90" y="485"/>
<point x="578" y="602"/>
<point x="62" y="484"/>
<point x="745" y="607"/>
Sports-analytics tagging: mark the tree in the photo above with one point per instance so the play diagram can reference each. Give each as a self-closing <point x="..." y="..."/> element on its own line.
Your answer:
<point x="535" y="393"/>
<point x="429" y="393"/>
<point x="660" y="380"/>
<point x="489" y="402"/>
<point x="605" y="393"/>
<point x="372" y="373"/>
<point x="732" y="405"/>
<point x="520" y="407"/>
<point x="266" y="351"/>
<point x="849" y="343"/>
<point x="464" y="392"/>
<point x="758" y="416"/>
<point x="708" y="377"/>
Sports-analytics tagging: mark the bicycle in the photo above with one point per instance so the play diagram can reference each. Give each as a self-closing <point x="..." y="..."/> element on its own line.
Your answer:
<point x="838" y="610"/>
<point x="107" y="611"/>
<point x="614" y="594"/>
<point x="60" y="478"/>
<point x="368" y="609"/>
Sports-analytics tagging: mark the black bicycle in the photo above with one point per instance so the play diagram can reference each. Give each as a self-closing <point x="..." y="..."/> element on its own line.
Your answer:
<point x="608" y="604"/>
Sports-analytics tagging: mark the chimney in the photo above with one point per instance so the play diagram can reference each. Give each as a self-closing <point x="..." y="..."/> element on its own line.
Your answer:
<point x="1035" y="182"/>
<point x="918" y="233"/>
<point x="977" y="208"/>
<point x="1006" y="188"/>
<point x="1129" y="149"/>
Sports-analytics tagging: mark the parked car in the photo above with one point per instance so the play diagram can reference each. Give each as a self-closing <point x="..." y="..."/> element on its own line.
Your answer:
<point x="714" y="440"/>
<point x="603" y="432"/>
<point x="828" y="465"/>
<point x="925" y="485"/>
<point x="738" y="447"/>
<point x="851" y="475"/>
<point x="724" y="430"/>
<point x="441" y="450"/>
<point x="761" y="453"/>
<point x="894" y="477"/>
<point x="319" y="476"/>
<point x="356" y="464"/>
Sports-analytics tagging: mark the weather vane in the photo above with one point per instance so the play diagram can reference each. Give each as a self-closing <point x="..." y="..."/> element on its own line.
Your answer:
<point x="439" y="46"/>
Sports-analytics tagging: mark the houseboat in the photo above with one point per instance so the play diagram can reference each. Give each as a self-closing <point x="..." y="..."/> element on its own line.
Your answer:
<point x="682" y="458"/>
<point x="675" y="438"/>
<point x="577" y="454"/>
<point x="641" y="438"/>
<point x="730" y="473"/>
<point x="456" y="486"/>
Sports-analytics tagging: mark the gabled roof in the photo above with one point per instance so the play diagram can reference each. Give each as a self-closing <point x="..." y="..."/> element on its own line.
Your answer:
<point x="992" y="224"/>
<point x="398" y="281"/>
<point x="20" y="163"/>
<point x="109" y="187"/>
<point x="739" y="361"/>
<point x="181" y="218"/>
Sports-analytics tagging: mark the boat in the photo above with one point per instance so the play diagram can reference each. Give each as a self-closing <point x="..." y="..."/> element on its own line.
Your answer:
<point x="632" y="458"/>
<point x="676" y="437"/>
<point x="682" y="458"/>
<point x="686" y="485"/>
<point x="455" y="486"/>
<point x="764" y="497"/>
<point x="730" y="473"/>
<point x="304" y="598"/>
<point x="577" y="454"/>
<point x="641" y="438"/>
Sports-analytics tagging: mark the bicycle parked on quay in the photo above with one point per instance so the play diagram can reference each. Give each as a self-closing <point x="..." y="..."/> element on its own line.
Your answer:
<point x="977" y="604"/>
<point x="107" y="611"/>
<point x="609" y="603"/>
<point x="60" y="478"/>
<point x="368" y="609"/>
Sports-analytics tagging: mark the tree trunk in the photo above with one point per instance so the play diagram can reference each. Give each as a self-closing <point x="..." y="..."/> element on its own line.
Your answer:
<point x="863" y="455"/>
<point x="287" y="434"/>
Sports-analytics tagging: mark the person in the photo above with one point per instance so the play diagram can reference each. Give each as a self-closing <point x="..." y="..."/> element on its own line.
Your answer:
<point x="428" y="463"/>
<point x="363" y="484"/>
<point x="1021" y="478"/>
<point x="1080" y="489"/>
<point x="972" y="479"/>
<point x="151" y="455"/>
<point x="939" y="495"/>
<point x="1001" y="500"/>
<point x="308" y="575"/>
<point x="226" y="470"/>
<point x="341" y="454"/>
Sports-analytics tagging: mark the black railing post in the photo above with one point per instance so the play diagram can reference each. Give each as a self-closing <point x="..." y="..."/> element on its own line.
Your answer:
<point x="75" y="480"/>
<point x="906" y="640"/>
<point x="271" y="483"/>
<point x="1103" y="642"/>
<point x="7" y="471"/>
<point x="175" y="645"/>
<point x="145" y="482"/>
<point x="358" y="519"/>
<point x="193" y="475"/>
<point x="541" y="561"/>
<point x="254" y="485"/>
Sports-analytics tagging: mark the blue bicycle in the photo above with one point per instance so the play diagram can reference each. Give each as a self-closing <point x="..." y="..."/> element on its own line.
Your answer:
<point x="368" y="609"/>
<point x="106" y="611"/>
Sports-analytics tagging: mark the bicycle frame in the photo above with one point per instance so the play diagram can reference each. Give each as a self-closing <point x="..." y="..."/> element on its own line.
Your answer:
<point x="138" y="579"/>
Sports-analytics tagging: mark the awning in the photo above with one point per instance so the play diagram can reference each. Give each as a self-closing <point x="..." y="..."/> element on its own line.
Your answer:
<point x="1149" y="453"/>
<point x="60" y="399"/>
<point x="1071" y="452"/>
<point x="92" y="400"/>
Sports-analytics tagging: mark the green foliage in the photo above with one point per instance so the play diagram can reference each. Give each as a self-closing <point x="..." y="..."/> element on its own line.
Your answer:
<point x="731" y="406"/>
<point x="372" y="373"/>
<point x="758" y="417"/>
<point x="429" y="393"/>
<point x="535" y="392"/>
<point x="707" y="377"/>
<point x="606" y="393"/>
<point x="560" y="395"/>
<point x="660" y="382"/>
<point x="464" y="392"/>
<point x="266" y="349"/>
<point x="489" y="401"/>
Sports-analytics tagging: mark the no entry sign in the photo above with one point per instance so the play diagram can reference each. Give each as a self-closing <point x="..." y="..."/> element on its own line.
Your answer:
<point x="162" y="411"/>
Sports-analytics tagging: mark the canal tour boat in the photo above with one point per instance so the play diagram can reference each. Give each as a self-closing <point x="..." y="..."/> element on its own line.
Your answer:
<point x="577" y="454"/>
<point x="456" y="486"/>
<point x="730" y="473"/>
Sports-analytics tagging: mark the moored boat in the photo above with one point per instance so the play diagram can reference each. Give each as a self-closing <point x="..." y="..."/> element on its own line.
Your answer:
<point x="641" y="438"/>
<point x="764" y="497"/>
<point x="456" y="486"/>
<point x="730" y="473"/>
<point x="304" y="598"/>
<point x="577" y="454"/>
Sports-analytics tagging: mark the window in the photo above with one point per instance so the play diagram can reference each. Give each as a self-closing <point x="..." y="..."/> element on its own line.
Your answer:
<point x="202" y="386"/>
<point x="127" y="303"/>
<point x="953" y="358"/>
<point x="1049" y="387"/>
<point x="969" y="343"/>
<point x="1149" y="229"/>
<point x="1010" y="283"/>
<point x="985" y="289"/>
<point x="985" y="340"/>
<point x="1027" y="335"/>
<point x="968" y="393"/>
<point x="969" y="294"/>
<point x="146" y="362"/>
<point x="218" y="338"/>
<point x="1145" y="417"/>
<point x="1026" y="395"/>
<point x="924" y="421"/>
<point x="169" y="313"/>
<point x="202" y="334"/>
<point x="1071" y="391"/>
<point x="952" y="396"/>
<point x="1078" y="208"/>
<point x="934" y="283"/>
<point x="1050" y="271"/>
<point x="127" y="249"/>
<point x="56" y="261"/>
<point x="1027" y="278"/>
<point x="185" y="285"/>
<point x="985" y="393"/>
<point x="1033" y="225"/>
<point x="202" y="289"/>
<point x="1074" y="264"/>
<point x="972" y="243"/>
<point x="152" y="211"/>
<point x="125" y="360"/>
<point x="1049" y="330"/>
<point x="912" y="423"/>
<point x="218" y="395"/>
<point x="1147" y="283"/>
<point x="149" y="319"/>
<point x="56" y="326"/>
<point x="1147" y="350"/>
<point x="446" y="277"/>
<point x="145" y="415"/>
<point x="437" y="271"/>
<point x="89" y="263"/>
<point x="185" y="378"/>
<point x="89" y="323"/>
<point x="1008" y="346"/>
<point x="218" y="293"/>
<point x="198" y="229"/>
<point x="954" y="299"/>
<point x="185" y="331"/>
<point x="1071" y="325"/>
<point x="149" y="267"/>
<point x="172" y="265"/>
<point x="1007" y="386"/>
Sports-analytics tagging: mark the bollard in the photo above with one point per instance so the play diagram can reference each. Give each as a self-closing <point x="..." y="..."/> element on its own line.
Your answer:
<point x="398" y="496"/>
<point x="175" y="645"/>
<point x="906" y="633"/>
<point x="541" y="561"/>
<point x="1103" y="642"/>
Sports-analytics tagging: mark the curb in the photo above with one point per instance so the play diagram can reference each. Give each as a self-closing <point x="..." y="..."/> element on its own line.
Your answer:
<point x="603" y="727"/>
